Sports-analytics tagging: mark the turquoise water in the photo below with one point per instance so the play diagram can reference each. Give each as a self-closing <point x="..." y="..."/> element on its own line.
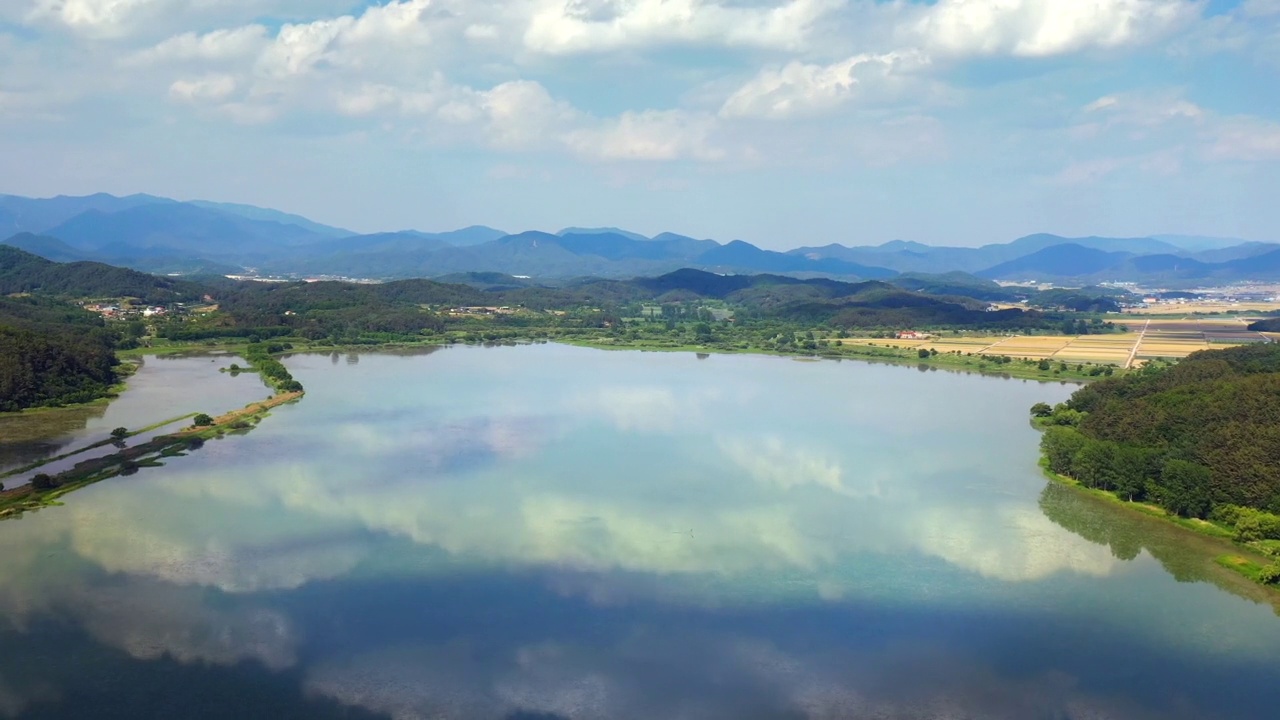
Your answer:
<point x="555" y="532"/>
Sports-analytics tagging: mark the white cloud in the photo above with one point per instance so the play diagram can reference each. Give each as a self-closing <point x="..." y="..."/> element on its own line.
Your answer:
<point x="522" y="114"/>
<point x="211" y="88"/>
<point x="1246" y="139"/>
<point x="1145" y="109"/>
<point x="1260" y="8"/>
<point x="801" y="88"/>
<point x="91" y="17"/>
<point x="216" y="46"/>
<point x="345" y="40"/>
<point x="560" y="26"/>
<point x="649" y="135"/>
<point x="1039" y="28"/>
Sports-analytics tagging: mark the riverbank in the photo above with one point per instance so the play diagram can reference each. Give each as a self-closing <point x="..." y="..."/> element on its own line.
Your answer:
<point x="1246" y="560"/>
<point x="47" y="489"/>
<point x="127" y="368"/>
<point x="607" y="339"/>
<point x="1024" y="370"/>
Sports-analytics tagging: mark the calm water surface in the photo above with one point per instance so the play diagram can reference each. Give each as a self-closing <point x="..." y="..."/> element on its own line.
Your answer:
<point x="553" y="532"/>
<point x="165" y="387"/>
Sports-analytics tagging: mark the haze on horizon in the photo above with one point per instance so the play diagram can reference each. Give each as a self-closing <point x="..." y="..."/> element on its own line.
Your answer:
<point x="780" y="122"/>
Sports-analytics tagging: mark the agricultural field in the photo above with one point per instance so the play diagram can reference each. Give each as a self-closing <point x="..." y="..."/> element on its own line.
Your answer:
<point x="1149" y="338"/>
<point x="1206" y="308"/>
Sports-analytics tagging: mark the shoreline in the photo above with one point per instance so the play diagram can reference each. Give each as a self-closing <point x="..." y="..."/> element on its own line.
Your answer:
<point x="17" y="501"/>
<point x="1245" y="561"/>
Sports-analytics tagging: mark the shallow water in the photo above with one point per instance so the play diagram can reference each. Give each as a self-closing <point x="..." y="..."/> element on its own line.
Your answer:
<point x="555" y="532"/>
<point x="164" y="387"/>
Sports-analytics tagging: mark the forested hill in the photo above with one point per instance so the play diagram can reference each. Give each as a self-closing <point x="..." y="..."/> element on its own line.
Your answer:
<point x="22" y="272"/>
<point x="1199" y="438"/>
<point x="52" y="354"/>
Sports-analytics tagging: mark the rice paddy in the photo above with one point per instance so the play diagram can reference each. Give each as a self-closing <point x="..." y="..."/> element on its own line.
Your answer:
<point x="1148" y="338"/>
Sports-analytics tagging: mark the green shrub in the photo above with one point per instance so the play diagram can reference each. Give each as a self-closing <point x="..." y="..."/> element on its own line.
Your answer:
<point x="1270" y="575"/>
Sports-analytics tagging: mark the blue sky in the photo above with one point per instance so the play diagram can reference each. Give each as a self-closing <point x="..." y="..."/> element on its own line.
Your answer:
<point x="781" y="122"/>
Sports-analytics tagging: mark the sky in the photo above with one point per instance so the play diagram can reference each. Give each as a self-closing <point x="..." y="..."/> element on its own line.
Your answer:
<point x="779" y="122"/>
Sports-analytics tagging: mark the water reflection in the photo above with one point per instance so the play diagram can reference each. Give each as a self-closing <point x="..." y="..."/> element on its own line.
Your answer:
<point x="163" y="387"/>
<point x="564" y="533"/>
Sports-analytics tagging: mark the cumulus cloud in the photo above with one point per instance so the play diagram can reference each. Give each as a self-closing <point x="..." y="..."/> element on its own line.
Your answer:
<point x="1170" y="120"/>
<point x="801" y="88"/>
<point x="1039" y="28"/>
<point x="649" y="135"/>
<point x="344" y="40"/>
<point x="215" y="46"/>
<point x="91" y="17"/>
<point x="211" y="88"/>
<point x="563" y="26"/>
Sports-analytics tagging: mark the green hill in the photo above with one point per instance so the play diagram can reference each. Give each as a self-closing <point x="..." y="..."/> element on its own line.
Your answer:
<point x="1196" y="437"/>
<point x="52" y="353"/>
<point x="23" y="272"/>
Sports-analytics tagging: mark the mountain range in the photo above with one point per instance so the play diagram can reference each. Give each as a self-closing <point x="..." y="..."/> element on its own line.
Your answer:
<point x="158" y="234"/>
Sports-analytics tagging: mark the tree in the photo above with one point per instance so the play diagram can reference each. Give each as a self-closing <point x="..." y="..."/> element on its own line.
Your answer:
<point x="202" y="420"/>
<point x="42" y="482"/>
<point x="1060" y="445"/>
<point x="922" y="353"/>
<point x="1042" y="410"/>
<point x="1094" y="464"/>
<point x="1184" y="488"/>
<point x="120" y="433"/>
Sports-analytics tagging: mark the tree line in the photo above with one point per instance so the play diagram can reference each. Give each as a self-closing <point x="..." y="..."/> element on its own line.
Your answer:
<point x="1200" y="438"/>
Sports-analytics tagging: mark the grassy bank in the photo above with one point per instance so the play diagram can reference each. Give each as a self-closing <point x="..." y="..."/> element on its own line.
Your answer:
<point x="874" y="353"/>
<point x="1246" y="559"/>
<point x="130" y="459"/>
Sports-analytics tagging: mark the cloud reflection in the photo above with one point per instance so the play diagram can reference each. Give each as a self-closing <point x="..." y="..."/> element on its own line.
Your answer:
<point x="651" y="675"/>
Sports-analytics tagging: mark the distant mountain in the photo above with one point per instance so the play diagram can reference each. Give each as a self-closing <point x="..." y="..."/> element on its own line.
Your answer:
<point x="1056" y="261"/>
<point x="253" y="212"/>
<point x="1200" y="243"/>
<point x="46" y="247"/>
<point x="740" y="255"/>
<point x="602" y="231"/>
<point x="473" y="235"/>
<point x="163" y="235"/>
<point x="180" y="229"/>
<point x="1235" y="252"/>
<point x="37" y="215"/>
<point x="909" y="257"/>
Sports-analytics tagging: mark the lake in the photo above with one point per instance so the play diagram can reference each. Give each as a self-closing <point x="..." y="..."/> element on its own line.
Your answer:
<point x="548" y="532"/>
<point x="166" y="387"/>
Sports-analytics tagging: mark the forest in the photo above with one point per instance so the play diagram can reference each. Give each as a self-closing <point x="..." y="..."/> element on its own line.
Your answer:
<point x="22" y="272"/>
<point x="1200" y="438"/>
<point x="52" y="353"/>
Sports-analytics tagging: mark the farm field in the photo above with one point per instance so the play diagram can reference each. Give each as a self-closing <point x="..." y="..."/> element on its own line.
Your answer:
<point x="1205" y="308"/>
<point x="1148" y="338"/>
